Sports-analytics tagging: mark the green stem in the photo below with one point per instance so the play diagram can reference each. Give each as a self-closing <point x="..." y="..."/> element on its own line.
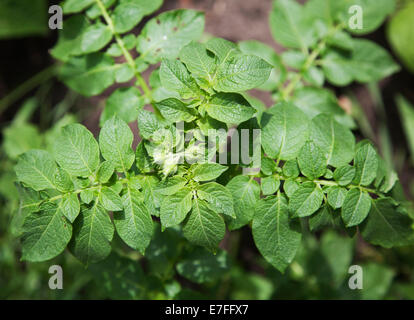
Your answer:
<point x="331" y="183"/>
<point x="125" y="52"/>
<point x="27" y="86"/>
<point x="311" y="59"/>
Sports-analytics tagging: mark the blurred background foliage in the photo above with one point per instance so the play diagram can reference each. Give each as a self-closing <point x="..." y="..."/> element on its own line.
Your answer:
<point x="32" y="110"/>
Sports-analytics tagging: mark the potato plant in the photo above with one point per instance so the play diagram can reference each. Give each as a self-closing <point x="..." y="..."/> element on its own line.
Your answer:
<point x="312" y="174"/>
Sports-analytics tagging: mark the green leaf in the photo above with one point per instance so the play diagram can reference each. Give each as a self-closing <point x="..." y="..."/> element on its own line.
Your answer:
<point x="314" y="101"/>
<point x="92" y="235"/>
<point x="204" y="226"/>
<point x="76" y="150"/>
<point x="70" y="38"/>
<point x="285" y="129"/>
<point x="230" y="108"/>
<point x="207" y="171"/>
<point x="314" y="76"/>
<point x="269" y="185"/>
<point x="95" y="11"/>
<point x="291" y="169"/>
<point x="151" y="198"/>
<point x="344" y="175"/>
<point x="336" y="253"/>
<point x="241" y="73"/>
<point x="174" y="76"/>
<point x="355" y="208"/>
<point x="387" y="225"/>
<point x="278" y="73"/>
<point x="87" y="196"/>
<point x="400" y="36"/>
<point x="173" y="110"/>
<point x="322" y="218"/>
<point x="374" y="13"/>
<point x="368" y="62"/>
<point x="341" y="40"/>
<point x="105" y="171"/>
<point x="336" y="142"/>
<point x="46" y="234"/>
<point x="95" y="37"/>
<point x="336" y="196"/>
<point x="90" y="74"/>
<point x="200" y="266"/>
<point x="23" y="18"/>
<point x="222" y="49"/>
<point x="171" y="185"/>
<point x="366" y="165"/>
<point x="134" y="224"/>
<point x="69" y="206"/>
<point x="119" y="277"/>
<point x="218" y="197"/>
<point x="115" y="141"/>
<point x="63" y="181"/>
<point x="143" y="160"/>
<point x="36" y="169"/>
<point x="199" y="62"/>
<point x="73" y="6"/>
<point x="19" y="138"/>
<point x="147" y="123"/>
<point x="148" y="6"/>
<point x="163" y="250"/>
<point x="288" y="25"/>
<point x="127" y="15"/>
<point x="175" y="207"/>
<point x="165" y="35"/>
<point x="268" y="166"/>
<point x="124" y="73"/>
<point x="406" y="111"/>
<point x="306" y="200"/>
<point x="110" y="200"/>
<point x="294" y="58"/>
<point x="246" y="193"/>
<point x="124" y="103"/>
<point x="277" y="238"/>
<point x="331" y="12"/>
<point x="312" y="162"/>
<point x="377" y="281"/>
<point x="290" y="186"/>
